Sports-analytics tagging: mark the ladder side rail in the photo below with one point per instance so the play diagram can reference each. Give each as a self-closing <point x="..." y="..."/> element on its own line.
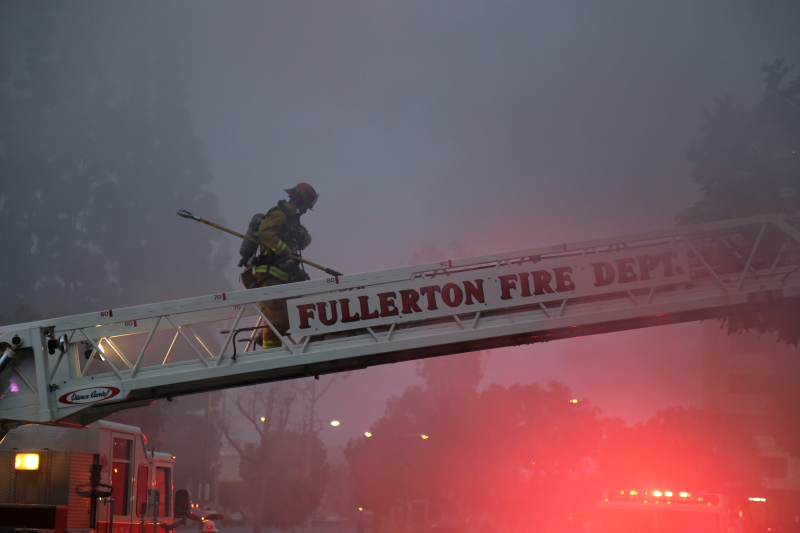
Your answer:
<point x="179" y="319"/>
<point x="649" y="295"/>
<point x="602" y="310"/>
<point x="523" y="323"/>
<point x="693" y="230"/>
<point x="385" y="276"/>
<point x="564" y="303"/>
<point x="208" y="309"/>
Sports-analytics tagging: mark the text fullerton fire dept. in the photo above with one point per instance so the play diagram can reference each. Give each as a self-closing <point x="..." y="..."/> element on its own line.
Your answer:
<point x="411" y="301"/>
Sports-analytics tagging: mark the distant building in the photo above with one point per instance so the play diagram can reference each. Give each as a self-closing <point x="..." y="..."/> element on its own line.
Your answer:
<point x="737" y="372"/>
<point x="228" y="463"/>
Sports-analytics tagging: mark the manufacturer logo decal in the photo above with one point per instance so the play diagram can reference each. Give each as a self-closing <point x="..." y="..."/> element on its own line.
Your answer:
<point x="90" y="395"/>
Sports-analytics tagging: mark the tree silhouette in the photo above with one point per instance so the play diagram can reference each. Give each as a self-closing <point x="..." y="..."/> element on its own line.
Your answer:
<point x="749" y="164"/>
<point x="284" y="472"/>
<point x="93" y="180"/>
<point x="92" y="177"/>
<point x="682" y="449"/>
<point x="505" y="458"/>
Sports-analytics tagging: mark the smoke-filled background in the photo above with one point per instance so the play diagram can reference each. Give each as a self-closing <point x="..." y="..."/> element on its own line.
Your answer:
<point x="430" y="129"/>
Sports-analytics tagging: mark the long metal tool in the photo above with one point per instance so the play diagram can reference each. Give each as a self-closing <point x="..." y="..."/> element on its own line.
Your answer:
<point x="186" y="214"/>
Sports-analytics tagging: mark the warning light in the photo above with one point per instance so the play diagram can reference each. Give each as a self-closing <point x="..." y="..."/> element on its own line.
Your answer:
<point x="662" y="497"/>
<point x="26" y="461"/>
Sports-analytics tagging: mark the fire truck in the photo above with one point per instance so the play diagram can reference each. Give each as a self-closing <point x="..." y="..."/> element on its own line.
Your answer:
<point x="101" y="478"/>
<point x="631" y="511"/>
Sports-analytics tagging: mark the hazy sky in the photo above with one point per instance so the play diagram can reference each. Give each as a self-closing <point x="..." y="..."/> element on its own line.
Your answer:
<point x="468" y="126"/>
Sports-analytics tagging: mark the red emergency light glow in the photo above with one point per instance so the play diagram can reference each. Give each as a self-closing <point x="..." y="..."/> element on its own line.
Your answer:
<point x="663" y="497"/>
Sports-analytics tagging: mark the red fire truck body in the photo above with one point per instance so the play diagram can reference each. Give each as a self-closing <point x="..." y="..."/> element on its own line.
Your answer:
<point x="45" y="469"/>
<point x="663" y="512"/>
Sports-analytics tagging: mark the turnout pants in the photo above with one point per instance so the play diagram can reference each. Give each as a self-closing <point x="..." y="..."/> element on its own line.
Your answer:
<point x="275" y="311"/>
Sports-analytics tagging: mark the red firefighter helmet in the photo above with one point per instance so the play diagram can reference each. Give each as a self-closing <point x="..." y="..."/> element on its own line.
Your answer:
<point x="304" y="193"/>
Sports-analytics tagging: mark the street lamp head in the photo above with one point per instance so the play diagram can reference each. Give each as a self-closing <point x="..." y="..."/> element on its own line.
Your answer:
<point x="334" y="423"/>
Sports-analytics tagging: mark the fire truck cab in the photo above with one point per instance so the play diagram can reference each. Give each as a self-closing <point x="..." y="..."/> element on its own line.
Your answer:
<point x="99" y="479"/>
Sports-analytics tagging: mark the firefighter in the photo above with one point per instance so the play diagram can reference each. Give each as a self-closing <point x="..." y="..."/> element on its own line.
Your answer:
<point x="284" y="236"/>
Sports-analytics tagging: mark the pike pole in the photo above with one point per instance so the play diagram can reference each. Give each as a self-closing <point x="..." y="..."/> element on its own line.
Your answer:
<point x="186" y="214"/>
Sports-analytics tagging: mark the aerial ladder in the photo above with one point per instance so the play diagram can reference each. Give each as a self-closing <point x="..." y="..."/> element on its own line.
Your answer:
<point x="77" y="369"/>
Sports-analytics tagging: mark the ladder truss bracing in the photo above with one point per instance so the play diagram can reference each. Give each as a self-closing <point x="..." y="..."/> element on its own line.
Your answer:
<point x="118" y="358"/>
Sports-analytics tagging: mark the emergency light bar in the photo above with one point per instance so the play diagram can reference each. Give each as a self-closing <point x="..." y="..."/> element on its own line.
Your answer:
<point x="665" y="497"/>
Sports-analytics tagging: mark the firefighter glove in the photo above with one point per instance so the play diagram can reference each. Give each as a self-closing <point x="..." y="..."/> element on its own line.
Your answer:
<point x="284" y="265"/>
